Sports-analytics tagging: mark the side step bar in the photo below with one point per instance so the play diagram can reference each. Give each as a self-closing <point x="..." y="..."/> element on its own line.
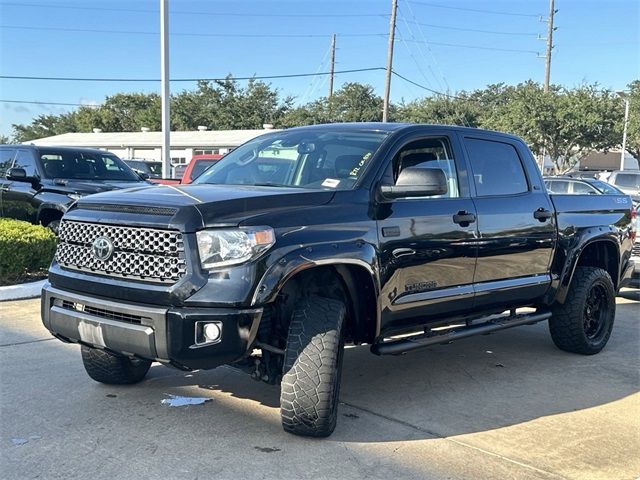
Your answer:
<point x="402" y="345"/>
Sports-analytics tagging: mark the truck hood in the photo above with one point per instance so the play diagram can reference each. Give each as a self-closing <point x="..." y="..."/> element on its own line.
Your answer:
<point x="201" y="205"/>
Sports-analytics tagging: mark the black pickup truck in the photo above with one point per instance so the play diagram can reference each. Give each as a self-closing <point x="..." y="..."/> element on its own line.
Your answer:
<point x="300" y="241"/>
<point x="38" y="184"/>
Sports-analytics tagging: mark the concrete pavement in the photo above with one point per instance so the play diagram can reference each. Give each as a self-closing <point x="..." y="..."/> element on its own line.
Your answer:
<point x="508" y="405"/>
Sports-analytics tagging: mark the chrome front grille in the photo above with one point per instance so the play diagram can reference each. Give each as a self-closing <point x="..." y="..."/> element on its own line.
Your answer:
<point x="138" y="253"/>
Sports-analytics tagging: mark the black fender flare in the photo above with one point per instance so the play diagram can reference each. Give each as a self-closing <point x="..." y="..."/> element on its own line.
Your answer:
<point x="340" y="255"/>
<point x="51" y="206"/>
<point x="580" y="242"/>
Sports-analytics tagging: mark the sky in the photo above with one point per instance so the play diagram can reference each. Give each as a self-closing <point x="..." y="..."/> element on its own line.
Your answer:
<point x="444" y="45"/>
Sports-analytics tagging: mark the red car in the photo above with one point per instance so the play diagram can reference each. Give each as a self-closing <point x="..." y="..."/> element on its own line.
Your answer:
<point x="197" y="165"/>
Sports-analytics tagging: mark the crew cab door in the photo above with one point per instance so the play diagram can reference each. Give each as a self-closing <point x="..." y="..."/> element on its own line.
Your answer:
<point x="516" y="222"/>
<point x="18" y="196"/>
<point x="427" y="254"/>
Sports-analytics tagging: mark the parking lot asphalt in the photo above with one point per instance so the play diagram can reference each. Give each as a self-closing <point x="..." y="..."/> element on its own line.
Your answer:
<point x="507" y="405"/>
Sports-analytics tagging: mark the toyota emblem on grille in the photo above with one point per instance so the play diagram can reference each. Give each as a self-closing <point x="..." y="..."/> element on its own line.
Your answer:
<point x="102" y="248"/>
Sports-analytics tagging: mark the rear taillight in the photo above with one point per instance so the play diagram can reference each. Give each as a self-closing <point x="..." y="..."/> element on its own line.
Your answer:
<point x="634" y="216"/>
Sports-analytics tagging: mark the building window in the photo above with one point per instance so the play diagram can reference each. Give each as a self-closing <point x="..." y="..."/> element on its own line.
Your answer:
<point x="206" y="151"/>
<point x="178" y="160"/>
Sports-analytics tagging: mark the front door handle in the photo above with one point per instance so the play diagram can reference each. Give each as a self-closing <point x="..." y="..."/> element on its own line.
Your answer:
<point x="403" y="252"/>
<point x="464" y="218"/>
<point x="542" y="214"/>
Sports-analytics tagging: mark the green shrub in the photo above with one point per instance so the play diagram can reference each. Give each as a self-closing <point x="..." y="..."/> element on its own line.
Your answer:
<point x="26" y="251"/>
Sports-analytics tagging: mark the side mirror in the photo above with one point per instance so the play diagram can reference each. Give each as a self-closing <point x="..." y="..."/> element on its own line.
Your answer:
<point x="143" y="175"/>
<point x="417" y="182"/>
<point x="18" y="174"/>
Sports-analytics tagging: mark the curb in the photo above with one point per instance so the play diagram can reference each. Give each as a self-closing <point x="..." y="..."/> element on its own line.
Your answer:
<point x="22" y="291"/>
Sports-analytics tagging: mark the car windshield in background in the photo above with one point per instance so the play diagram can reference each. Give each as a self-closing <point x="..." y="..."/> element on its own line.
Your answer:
<point x="85" y="166"/>
<point x="332" y="160"/>
<point x="606" y="188"/>
<point x="201" y="166"/>
<point x="628" y="180"/>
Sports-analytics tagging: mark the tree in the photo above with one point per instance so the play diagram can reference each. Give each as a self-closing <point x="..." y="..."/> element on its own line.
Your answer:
<point x="353" y="102"/>
<point x="567" y="124"/>
<point x="45" y="126"/>
<point x="633" y="127"/>
<point x="4" y="139"/>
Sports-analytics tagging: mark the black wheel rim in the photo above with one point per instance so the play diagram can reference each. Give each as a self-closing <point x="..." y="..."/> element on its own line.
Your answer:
<point x="596" y="312"/>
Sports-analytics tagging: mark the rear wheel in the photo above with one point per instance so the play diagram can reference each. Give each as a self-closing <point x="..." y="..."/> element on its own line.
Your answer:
<point x="112" y="369"/>
<point x="312" y="367"/>
<point x="584" y="322"/>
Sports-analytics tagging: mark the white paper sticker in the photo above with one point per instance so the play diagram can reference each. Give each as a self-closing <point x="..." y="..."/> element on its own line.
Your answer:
<point x="331" y="183"/>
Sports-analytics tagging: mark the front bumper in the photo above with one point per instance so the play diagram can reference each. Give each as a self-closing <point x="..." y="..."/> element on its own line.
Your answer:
<point x="166" y="335"/>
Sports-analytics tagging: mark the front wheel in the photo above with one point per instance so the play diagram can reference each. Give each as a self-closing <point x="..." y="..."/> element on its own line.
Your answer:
<point x="312" y="367"/>
<point x="584" y="322"/>
<point x="112" y="369"/>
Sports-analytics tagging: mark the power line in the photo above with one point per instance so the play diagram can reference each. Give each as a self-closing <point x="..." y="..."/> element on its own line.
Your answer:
<point x="461" y="29"/>
<point x="475" y="10"/>
<point x="427" y="88"/>
<point x="37" y="102"/>
<point x="476" y="47"/>
<point x="260" y="77"/>
<point x="229" y="35"/>
<point x="183" y="12"/>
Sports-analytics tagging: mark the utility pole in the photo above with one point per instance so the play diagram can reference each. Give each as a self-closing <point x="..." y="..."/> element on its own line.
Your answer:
<point x="625" y="98"/>
<point x="332" y="65"/>
<point x="547" y="71"/>
<point x="165" y="93"/>
<point x="387" y="86"/>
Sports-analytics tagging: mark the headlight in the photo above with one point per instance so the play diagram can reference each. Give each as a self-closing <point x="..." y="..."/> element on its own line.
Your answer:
<point x="221" y="248"/>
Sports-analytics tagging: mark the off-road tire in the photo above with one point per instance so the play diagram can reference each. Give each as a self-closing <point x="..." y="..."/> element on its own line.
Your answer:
<point x="312" y="367"/>
<point x="570" y="325"/>
<point x="112" y="369"/>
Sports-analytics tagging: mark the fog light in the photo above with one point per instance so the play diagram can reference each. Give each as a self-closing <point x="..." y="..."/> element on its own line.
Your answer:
<point x="212" y="332"/>
<point x="208" y="333"/>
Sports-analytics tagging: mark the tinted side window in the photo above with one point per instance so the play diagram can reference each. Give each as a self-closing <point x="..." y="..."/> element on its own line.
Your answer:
<point x="557" y="186"/>
<point x="427" y="153"/>
<point x="25" y="160"/>
<point x="6" y="157"/>
<point x="583" y="188"/>
<point x="497" y="169"/>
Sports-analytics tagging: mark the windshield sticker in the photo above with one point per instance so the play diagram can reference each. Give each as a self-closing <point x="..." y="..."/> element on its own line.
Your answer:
<point x="363" y="160"/>
<point x="331" y="183"/>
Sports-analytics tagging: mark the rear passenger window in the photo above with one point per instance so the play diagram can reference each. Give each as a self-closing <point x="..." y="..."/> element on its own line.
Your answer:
<point x="496" y="166"/>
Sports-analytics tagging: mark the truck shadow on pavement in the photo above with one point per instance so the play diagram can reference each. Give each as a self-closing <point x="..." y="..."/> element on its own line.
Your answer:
<point x="475" y="385"/>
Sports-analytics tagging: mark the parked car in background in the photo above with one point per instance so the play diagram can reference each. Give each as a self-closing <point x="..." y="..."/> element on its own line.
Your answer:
<point x="580" y="186"/>
<point x="150" y="170"/>
<point x="628" y="181"/>
<point x="38" y="184"/>
<point x="197" y="165"/>
<point x="178" y="170"/>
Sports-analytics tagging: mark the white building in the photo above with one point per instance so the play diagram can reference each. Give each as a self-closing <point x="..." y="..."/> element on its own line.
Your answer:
<point x="148" y="145"/>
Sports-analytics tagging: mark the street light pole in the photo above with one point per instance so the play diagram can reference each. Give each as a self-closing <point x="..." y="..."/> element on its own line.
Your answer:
<point x="165" y="93"/>
<point x="625" y="98"/>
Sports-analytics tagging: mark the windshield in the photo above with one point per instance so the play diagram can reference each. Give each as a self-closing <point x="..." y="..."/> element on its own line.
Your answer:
<point x="78" y="165"/>
<point x="604" y="187"/>
<point x="628" y="180"/>
<point x="200" y="166"/>
<point x="331" y="160"/>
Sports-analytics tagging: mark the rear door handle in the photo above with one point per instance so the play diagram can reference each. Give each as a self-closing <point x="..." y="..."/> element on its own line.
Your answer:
<point x="464" y="218"/>
<point x="403" y="252"/>
<point x="542" y="214"/>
